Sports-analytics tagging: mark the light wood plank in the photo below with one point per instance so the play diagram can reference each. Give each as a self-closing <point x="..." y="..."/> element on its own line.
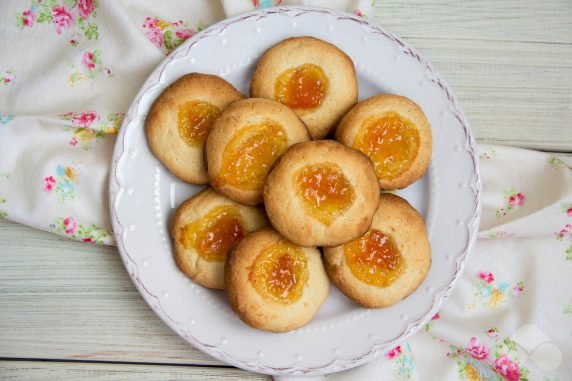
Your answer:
<point x="41" y="371"/>
<point x="509" y="62"/>
<point x="516" y="20"/>
<point x="69" y="300"/>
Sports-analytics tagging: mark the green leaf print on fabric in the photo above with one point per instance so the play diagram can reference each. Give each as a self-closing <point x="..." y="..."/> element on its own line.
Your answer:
<point x="488" y="153"/>
<point x="91" y="32"/>
<point x="513" y="200"/>
<point x="565" y="234"/>
<point x="90" y="234"/>
<point x="62" y="183"/>
<point x="403" y="364"/>
<point x="91" y="69"/>
<point x="72" y="17"/>
<point x="500" y="234"/>
<point x="490" y="358"/>
<point x="168" y="35"/>
<point x="70" y="3"/>
<point x="557" y="164"/>
<point x="492" y="294"/>
<point x="429" y="325"/>
<point x="3" y="213"/>
<point x="87" y="127"/>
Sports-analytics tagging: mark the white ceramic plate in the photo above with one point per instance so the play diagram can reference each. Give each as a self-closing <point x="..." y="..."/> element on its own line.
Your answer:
<point x="342" y="335"/>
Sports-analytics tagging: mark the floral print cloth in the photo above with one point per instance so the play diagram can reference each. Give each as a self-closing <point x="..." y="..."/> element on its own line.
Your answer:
<point x="510" y="315"/>
<point x="66" y="80"/>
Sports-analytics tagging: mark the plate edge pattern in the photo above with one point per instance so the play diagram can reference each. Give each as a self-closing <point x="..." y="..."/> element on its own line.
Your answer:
<point x="116" y="191"/>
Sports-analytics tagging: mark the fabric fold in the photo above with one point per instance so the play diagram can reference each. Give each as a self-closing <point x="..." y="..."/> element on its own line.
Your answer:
<point x="75" y="66"/>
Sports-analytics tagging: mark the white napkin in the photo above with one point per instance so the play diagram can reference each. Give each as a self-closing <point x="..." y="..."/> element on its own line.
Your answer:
<point x="68" y="72"/>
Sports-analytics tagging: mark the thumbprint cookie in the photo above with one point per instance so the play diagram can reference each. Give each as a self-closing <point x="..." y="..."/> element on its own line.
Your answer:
<point x="388" y="262"/>
<point x="204" y="229"/>
<point x="244" y="143"/>
<point x="321" y="193"/>
<point x="180" y="120"/>
<point x="273" y="284"/>
<point x="312" y="77"/>
<point x="394" y="132"/>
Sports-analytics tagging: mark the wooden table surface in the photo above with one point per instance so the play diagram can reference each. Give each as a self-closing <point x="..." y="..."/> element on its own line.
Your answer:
<point x="68" y="310"/>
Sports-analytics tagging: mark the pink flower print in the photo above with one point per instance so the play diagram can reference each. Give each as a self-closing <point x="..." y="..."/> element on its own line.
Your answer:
<point x="88" y="240"/>
<point x="493" y="332"/>
<point x="478" y="351"/>
<point x="87" y="61"/>
<point x="29" y="17"/>
<point x="86" y="8"/>
<point x="150" y="23"/>
<point x="73" y="142"/>
<point x="70" y="225"/>
<point x="507" y="368"/>
<point x="569" y="212"/>
<point x="49" y="183"/>
<point x="107" y="71"/>
<point x="395" y="352"/>
<point x="516" y="200"/>
<point x="184" y="34"/>
<point x="155" y="36"/>
<point x="85" y="119"/>
<point x="436" y="316"/>
<point x="359" y="13"/>
<point x="9" y="77"/>
<point x="74" y="39"/>
<point x="487" y="277"/>
<point x="62" y="18"/>
<point x="517" y="290"/>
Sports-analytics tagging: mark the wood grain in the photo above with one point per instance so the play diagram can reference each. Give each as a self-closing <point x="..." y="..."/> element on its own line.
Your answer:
<point x="509" y="63"/>
<point x="68" y="300"/>
<point x="63" y="371"/>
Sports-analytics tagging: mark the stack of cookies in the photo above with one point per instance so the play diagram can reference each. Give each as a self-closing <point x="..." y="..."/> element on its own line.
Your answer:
<point x="279" y="190"/>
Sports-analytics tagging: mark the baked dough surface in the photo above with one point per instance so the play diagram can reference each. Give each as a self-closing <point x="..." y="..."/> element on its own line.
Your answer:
<point x="234" y="127"/>
<point x="204" y="272"/>
<point x="378" y="106"/>
<point x="396" y="218"/>
<point x="287" y="208"/>
<point x="342" y="91"/>
<point x="260" y="311"/>
<point x="161" y="127"/>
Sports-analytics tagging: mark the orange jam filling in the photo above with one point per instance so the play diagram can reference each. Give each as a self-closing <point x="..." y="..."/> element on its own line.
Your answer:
<point x="301" y="87"/>
<point x="325" y="192"/>
<point x="250" y="154"/>
<point x="374" y="259"/>
<point x="195" y="120"/>
<point x="213" y="235"/>
<point x="390" y="142"/>
<point x="280" y="272"/>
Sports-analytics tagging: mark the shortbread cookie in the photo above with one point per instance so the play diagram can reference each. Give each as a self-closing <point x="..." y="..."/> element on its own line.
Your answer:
<point x="180" y="119"/>
<point x="394" y="133"/>
<point x="387" y="263"/>
<point x="312" y="77"/>
<point x="321" y="193"/>
<point x="204" y="229"/>
<point x="244" y="143"/>
<point x="273" y="284"/>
